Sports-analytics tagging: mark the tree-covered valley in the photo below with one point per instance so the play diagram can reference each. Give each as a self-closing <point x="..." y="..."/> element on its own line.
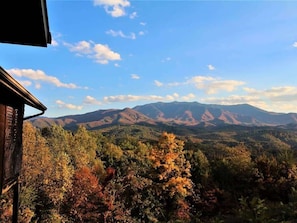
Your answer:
<point x="138" y="173"/>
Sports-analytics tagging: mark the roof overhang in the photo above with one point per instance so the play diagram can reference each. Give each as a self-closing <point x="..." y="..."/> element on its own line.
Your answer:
<point x="24" y="22"/>
<point x="18" y="91"/>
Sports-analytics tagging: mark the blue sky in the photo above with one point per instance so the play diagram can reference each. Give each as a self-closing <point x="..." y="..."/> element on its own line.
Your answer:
<point x="119" y="53"/>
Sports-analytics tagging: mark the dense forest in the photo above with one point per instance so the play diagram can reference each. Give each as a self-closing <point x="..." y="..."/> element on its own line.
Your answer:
<point x="124" y="175"/>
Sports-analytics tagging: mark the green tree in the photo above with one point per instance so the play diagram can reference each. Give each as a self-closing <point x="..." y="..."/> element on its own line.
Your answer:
<point x="111" y="153"/>
<point x="233" y="170"/>
<point x="83" y="148"/>
<point x="200" y="167"/>
<point x="274" y="179"/>
<point x="130" y="192"/>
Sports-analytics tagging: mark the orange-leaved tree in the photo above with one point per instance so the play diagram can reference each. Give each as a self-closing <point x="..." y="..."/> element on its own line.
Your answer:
<point x="85" y="202"/>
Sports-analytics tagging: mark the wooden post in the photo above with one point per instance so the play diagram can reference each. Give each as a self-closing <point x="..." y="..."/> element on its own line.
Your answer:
<point x="15" y="212"/>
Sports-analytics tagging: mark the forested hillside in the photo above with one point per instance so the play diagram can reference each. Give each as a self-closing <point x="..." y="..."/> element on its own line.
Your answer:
<point x="133" y="174"/>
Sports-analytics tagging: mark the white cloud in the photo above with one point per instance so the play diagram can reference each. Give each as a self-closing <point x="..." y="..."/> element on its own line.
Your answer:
<point x="214" y="87"/>
<point x="143" y="23"/>
<point x="250" y="90"/>
<point x="40" y="76"/>
<point x="166" y="59"/>
<point x="103" y="54"/>
<point x="172" y="97"/>
<point x="135" y="76"/>
<point x="188" y="97"/>
<point x="232" y="99"/>
<point x="133" y="15"/>
<point x="158" y="83"/>
<point x="208" y="84"/>
<point x="121" y="98"/>
<point x="91" y="100"/>
<point x="280" y="99"/>
<point x="37" y="85"/>
<point x="25" y="83"/>
<point x="130" y="98"/>
<point x="132" y="36"/>
<point x="174" y="84"/>
<point x="197" y="80"/>
<point x="282" y="107"/>
<point x="295" y="44"/>
<point x="98" y="52"/>
<point x="134" y="98"/>
<point x="82" y="47"/>
<point x="54" y="42"/>
<point x="211" y="67"/>
<point x="62" y="104"/>
<point x="276" y="94"/>
<point x="176" y="95"/>
<point x="238" y="99"/>
<point x="116" y="8"/>
<point x="141" y="33"/>
<point x="120" y="34"/>
<point x="56" y="39"/>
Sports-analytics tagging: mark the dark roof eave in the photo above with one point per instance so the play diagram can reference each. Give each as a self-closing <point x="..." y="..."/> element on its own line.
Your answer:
<point x="29" y="27"/>
<point x="11" y="84"/>
<point x="46" y="23"/>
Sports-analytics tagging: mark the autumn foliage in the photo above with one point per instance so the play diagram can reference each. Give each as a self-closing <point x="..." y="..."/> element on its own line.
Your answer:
<point x="86" y="176"/>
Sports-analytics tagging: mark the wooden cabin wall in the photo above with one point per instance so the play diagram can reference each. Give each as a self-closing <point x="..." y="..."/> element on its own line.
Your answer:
<point x="2" y="141"/>
<point x="11" y="125"/>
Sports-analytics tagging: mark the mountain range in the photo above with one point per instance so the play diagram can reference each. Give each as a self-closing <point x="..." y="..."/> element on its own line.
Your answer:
<point x="173" y="113"/>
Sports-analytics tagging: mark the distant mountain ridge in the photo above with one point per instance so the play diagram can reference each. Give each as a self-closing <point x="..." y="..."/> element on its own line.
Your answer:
<point x="177" y="113"/>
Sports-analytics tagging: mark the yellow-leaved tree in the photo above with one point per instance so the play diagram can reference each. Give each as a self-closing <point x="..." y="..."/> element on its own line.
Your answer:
<point x="172" y="172"/>
<point x="45" y="177"/>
